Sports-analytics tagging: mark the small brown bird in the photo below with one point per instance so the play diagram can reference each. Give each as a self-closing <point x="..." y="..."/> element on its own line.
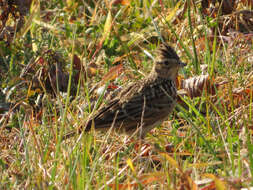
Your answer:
<point x="141" y="105"/>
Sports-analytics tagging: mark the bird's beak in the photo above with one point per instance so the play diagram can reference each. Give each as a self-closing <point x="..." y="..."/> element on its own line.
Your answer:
<point x="182" y="64"/>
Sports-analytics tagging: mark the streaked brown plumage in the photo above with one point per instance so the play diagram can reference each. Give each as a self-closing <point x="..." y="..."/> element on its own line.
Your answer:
<point x="143" y="104"/>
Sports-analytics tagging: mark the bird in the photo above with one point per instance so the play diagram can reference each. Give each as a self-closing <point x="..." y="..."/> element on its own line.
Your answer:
<point x="141" y="105"/>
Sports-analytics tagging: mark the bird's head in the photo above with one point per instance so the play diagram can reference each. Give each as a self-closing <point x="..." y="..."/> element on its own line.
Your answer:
<point x="167" y="62"/>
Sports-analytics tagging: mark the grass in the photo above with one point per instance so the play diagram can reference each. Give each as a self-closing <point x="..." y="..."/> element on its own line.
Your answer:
<point x="209" y="136"/>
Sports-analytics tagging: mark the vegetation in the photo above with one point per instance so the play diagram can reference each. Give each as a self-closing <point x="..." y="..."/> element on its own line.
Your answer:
<point x="58" y="57"/>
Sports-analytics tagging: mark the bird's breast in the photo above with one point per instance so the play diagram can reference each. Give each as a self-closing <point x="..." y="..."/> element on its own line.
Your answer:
<point x="161" y="96"/>
<point x="163" y="89"/>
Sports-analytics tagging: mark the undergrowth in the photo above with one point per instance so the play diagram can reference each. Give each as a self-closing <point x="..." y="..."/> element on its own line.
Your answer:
<point x="90" y="46"/>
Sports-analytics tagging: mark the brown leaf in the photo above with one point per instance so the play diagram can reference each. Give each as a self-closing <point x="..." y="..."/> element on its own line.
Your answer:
<point x="113" y="73"/>
<point x="118" y="59"/>
<point x="152" y="177"/>
<point x="122" y="2"/>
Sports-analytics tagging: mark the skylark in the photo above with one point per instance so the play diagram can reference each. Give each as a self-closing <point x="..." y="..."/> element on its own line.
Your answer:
<point x="142" y="105"/>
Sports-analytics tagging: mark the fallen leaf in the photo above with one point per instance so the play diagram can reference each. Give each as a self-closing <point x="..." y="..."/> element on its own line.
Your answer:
<point x="113" y="73"/>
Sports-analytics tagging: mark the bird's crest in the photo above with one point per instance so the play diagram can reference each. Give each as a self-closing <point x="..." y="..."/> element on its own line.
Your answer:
<point x="166" y="52"/>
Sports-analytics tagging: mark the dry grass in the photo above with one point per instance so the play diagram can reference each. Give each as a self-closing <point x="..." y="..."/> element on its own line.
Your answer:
<point x="111" y="43"/>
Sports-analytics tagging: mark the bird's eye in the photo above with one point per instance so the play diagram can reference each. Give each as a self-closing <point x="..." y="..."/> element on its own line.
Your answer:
<point x="166" y="62"/>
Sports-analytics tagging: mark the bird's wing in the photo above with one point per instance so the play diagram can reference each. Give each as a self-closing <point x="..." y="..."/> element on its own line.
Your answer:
<point x="135" y="104"/>
<point x="112" y="111"/>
